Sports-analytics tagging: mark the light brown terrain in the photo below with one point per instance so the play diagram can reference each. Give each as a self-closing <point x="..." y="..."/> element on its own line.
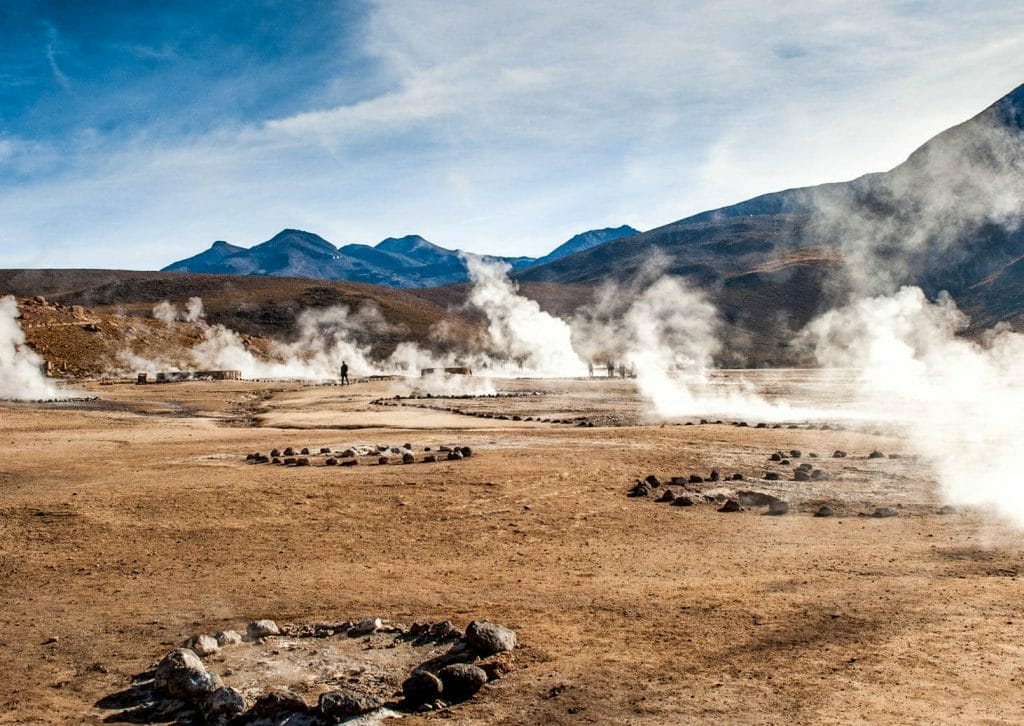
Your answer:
<point x="130" y="522"/>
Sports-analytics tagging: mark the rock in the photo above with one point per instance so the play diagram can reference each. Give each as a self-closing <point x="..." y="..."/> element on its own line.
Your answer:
<point x="749" y="498"/>
<point x="275" y="460"/>
<point x="275" y="452"/>
<point x="819" y="475"/>
<point x="289" y="460"/>
<point x="947" y="509"/>
<point x="261" y="629"/>
<point x="228" y="637"/>
<point x="775" y="457"/>
<point x="407" y="446"/>
<point x="289" y="451"/>
<point x="202" y="645"/>
<point x="408" y="458"/>
<point x="771" y="476"/>
<point x="444" y="449"/>
<point x="488" y="638"/>
<point x="305" y="451"/>
<point x="839" y="454"/>
<point x="383" y="460"/>
<point x="876" y="455"/>
<point x="682" y="502"/>
<point x="731" y="505"/>
<point x="737" y="477"/>
<point x="225" y="703"/>
<point x="302" y="461"/>
<point x="460" y="681"/>
<point x="275" y="704"/>
<point x="714" y="475"/>
<point x="429" y="459"/>
<point x="347" y="454"/>
<point x="444" y="630"/>
<point x="824" y="512"/>
<point x="395" y="450"/>
<point x="365" y="627"/>
<point x="640" y="489"/>
<point x="884" y="512"/>
<point x="497" y="666"/>
<point x="784" y="462"/>
<point x="777" y="508"/>
<point x="350" y="462"/>
<point x="422" y="687"/>
<point x="794" y="453"/>
<point x="804" y="465"/>
<point x="182" y="675"/>
<point x="331" y="461"/>
<point x="801" y="475"/>
<point x="695" y="479"/>
<point x="325" y="449"/>
<point x="466" y="452"/>
<point x="346" y="702"/>
<point x="454" y="455"/>
<point x="652" y="481"/>
<point x="667" y="496"/>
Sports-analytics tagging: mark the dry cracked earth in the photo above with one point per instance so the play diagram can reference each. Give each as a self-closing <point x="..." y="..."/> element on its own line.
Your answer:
<point x="133" y="521"/>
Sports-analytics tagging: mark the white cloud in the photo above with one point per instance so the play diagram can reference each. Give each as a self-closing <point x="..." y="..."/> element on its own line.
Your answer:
<point x="510" y="127"/>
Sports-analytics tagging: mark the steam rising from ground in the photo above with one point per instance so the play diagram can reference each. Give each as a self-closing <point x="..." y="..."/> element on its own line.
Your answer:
<point x="21" y="376"/>
<point x="963" y="401"/>
<point x="169" y="313"/>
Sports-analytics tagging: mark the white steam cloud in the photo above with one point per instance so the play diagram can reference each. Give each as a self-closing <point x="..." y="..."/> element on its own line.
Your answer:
<point x="21" y="376"/>
<point x="169" y="313"/>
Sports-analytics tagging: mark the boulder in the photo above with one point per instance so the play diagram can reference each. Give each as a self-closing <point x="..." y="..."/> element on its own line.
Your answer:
<point x="884" y="512"/>
<point x="749" y="498"/>
<point x="331" y="461"/>
<point x="819" y="475"/>
<point x="466" y="452"/>
<point x="325" y="449"/>
<point x="775" y="457"/>
<point x="652" y="481"/>
<point x="228" y="637"/>
<point x="824" y="512"/>
<point x="801" y="475"/>
<point x="695" y="479"/>
<point x="876" y="455"/>
<point x="771" y="476"/>
<point x="488" y="638"/>
<point x="305" y="451"/>
<point x="302" y="461"/>
<point x="182" y="675"/>
<point x="640" y="489"/>
<point x="794" y="453"/>
<point x="365" y="627"/>
<point x="460" y="681"/>
<point x="731" y="505"/>
<point x="736" y="477"/>
<point x="947" y="509"/>
<point x="275" y="452"/>
<point x="224" y="704"/>
<point x="714" y="475"/>
<point x="682" y="502"/>
<point x="289" y="451"/>
<point x="350" y="462"/>
<point x="345" y="702"/>
<point x="202" y="645"/>
<point x="429" y="459"/>
<point x="454" y="455"/>
<point x="261" y="629"/>
<point x="667" y="496"/>
<point x="347" y="454"/>
<point x="276" y="706"/>
<point x="421" y="687"/>
<point x="778" y="508"/>
<point x="408" y="458"/>
<point x="839" y="454"/>
<point x="382" y="460"/>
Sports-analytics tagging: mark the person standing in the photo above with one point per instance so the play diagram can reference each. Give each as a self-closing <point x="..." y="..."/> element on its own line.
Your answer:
<point x="344" y="374"/>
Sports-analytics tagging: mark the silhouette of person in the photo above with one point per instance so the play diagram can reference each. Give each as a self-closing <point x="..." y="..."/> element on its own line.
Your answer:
<point x="611" y="369"/>
<point x="590" y="368"/>
<point x="344" y="374"/>
<point x="622" y="370"/>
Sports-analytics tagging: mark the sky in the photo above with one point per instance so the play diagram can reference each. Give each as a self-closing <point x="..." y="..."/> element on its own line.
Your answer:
<point x="135" y="134"/>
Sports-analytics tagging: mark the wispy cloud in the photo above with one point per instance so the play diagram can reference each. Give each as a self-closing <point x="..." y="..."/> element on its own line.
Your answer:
<point x="509" y="127"/>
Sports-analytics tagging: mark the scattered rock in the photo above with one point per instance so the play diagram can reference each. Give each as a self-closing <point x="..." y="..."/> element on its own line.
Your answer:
<point x="824" y="512"/>
<point x="305" y="451"/>
<point x="695" y="479"/>
<point x="408" y="458"/>
<point x="289" y="460"/>
<point x="225" y="703"/>
<point x="488" y="638"/>
<point x="347" y="454"/>
<point x="801" y="475"/>
<point x="775" y="457"/>
<point x="460" y="681"/>
<point x="947" y="509"/>
<point x="429" y="459"/>
<point x="794" y="453"/>
<point x="731" y="505"/>
<point x="422" y="687"/>
<point x="302" y="461"/>
<point x="228" y="637"/>
<point x="714" y="475"/>
<point x="683" y="501"/>
<point x="202" y="645"/>
<point x="667" y="496"/>
<point x="884" y="512"/>
<point x="261" y="629"/>
<point x="454" y="455"/>
<point x="350" y="462"/>
<point x="365" y="627"/>
<point x="383" y="460"/>
<point x="182" y="675"/>
<point x="755" y="499"/>
<point x="778" y="508"/>
<point x="640" y="489"/>
<point x="346" y="702"/>
<point x="876" y="455"/>
<point x="289" y="451"/>
<point x="653" y="481"/>
<point x="275" y="452"/>
<point x="736" y="477"/>
<point x="466" y="452"/>
<point x="325" y="449"/>
<point x="839" y="454"/>
<point x="819" y="475"/>
<point x="331" y="461"/>
<point x="771" y="476"/>
<point x="275" y="704"/>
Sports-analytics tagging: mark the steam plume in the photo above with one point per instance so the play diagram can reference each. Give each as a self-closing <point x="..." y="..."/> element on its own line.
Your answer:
<point x="21" y="377"/>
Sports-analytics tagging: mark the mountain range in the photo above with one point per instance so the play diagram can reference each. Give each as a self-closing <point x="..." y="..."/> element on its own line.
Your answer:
<point x="405" y="262"/>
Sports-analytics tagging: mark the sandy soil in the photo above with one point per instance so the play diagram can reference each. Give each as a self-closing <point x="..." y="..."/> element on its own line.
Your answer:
<point x="131" y="522"/>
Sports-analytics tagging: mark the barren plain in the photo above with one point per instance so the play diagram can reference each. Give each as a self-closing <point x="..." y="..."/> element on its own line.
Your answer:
<point x="132" y="521"/>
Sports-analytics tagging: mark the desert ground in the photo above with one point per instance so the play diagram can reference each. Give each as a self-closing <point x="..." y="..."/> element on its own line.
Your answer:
<point x="132" y="521"/>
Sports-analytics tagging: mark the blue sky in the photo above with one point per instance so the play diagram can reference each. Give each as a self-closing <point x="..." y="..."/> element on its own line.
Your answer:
<point x="135" y="134"/>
